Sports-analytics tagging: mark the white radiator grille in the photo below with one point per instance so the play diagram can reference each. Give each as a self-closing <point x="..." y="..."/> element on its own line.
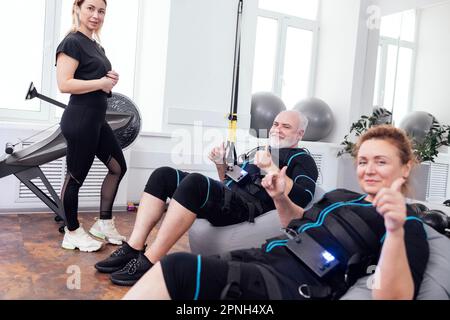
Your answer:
<point x="437" y="181"/>
<point x="55" y="172"/>
<point x="55" y="175"/>
<point x="92" y="185"/>
<point x="318" y="158"/>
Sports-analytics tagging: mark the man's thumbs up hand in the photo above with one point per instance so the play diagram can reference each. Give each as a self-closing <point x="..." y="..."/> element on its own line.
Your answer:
<point x="263" y="159"/>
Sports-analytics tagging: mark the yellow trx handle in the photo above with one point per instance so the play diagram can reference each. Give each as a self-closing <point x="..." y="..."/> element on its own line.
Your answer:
<point x="232" y="131"/>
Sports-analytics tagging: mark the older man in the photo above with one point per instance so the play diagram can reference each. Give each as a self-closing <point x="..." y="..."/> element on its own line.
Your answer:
<point x="233" y="199"/>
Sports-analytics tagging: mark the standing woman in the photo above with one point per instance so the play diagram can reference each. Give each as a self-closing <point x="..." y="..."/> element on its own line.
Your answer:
<point x="84" y="71"/>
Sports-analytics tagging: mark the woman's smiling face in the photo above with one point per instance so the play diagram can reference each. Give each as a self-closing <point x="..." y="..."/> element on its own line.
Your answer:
<point x="378" y="165"/>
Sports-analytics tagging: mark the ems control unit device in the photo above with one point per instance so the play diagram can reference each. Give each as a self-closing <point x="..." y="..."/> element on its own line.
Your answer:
<point x="236" y="173"/>
<point x="312" y="254"/>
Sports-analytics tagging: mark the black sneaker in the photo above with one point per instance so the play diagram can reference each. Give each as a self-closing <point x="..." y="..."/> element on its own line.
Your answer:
<point x="132" y="272"/>
<point x="118" y="259"/>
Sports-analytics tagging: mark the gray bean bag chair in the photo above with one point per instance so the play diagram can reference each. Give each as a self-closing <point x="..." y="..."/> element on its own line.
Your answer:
<point x="436" y="281"/>
<point x="206" y="239"/>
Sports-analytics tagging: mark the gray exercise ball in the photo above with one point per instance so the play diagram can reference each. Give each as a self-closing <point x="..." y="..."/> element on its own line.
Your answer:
<point x="320" y="118"/>
<point x="417" y="124"/>
<point x="265" y="107"/>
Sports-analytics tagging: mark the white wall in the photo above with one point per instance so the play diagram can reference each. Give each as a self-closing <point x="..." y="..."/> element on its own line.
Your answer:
<point x="151" y="62"/>
<point x="200" y="62"/>
<point x="338" y="47"/>
<point x="433" y="63"/>
<point x="156" y="150"/>
<point x="200" y="58"/>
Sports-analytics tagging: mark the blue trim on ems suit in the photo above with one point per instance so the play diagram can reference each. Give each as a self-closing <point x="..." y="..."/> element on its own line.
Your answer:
<point x="320" y="219"/>
<point x="178" y="177"/>
<point x="276" y="243"/>
<point x="312" y="195"/>
<point x="199" y="271"/>
<point x="295" y="155"/>
<point x="342" y="205"/>
<point x="207" y="196"/>
<point x="328" y="209"/>
<point x="407" y="219"/>
<point x="303" y="176"/>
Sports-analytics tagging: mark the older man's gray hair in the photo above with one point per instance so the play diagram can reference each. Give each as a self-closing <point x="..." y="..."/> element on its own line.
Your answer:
<point x="302" y="120"/>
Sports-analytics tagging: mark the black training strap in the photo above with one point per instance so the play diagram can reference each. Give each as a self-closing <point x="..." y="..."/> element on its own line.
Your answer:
<point x="232" y="290"/>
<point x="228" y="195"/>
<point x="361" y="228"/>
<point x="253" y="204"/>
<point x="341" y="235"/>
<point x="272" y="287"/>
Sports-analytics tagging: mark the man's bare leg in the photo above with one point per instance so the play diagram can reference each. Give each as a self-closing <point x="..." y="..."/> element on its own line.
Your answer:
<point x="149" y="213"/>
<point x="177" y="221"/>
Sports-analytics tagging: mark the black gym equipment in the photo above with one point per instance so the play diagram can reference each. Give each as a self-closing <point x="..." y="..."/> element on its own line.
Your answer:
<point x="437" y="220"/>
<point x="419" y="208"/>
<point x="231" y="156"/>
<point x="123" y="117"/>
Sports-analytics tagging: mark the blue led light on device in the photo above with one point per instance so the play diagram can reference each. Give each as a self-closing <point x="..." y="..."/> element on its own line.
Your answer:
<point x="328" y="257"/>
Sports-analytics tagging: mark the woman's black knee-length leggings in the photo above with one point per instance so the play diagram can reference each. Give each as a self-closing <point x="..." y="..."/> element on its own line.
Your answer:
<point x="199" y="194"/>
<point x="88" y="135"/>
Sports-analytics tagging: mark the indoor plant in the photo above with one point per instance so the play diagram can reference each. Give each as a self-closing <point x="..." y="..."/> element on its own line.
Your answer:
<point x="425" y="150"/>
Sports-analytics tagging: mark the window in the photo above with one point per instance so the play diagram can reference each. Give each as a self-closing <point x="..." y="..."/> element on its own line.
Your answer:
<point x="395" y="63"/>
<point x="27" y="43"/>
<point x="266" y="45"/>
<point x="286" y="39"/>
<point x="297" y="65"/>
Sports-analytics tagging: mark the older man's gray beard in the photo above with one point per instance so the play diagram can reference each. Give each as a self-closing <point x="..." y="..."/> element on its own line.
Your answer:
<point x="275" y="142"/>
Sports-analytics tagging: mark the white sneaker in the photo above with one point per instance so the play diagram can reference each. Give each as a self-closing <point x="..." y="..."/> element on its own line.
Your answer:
<point x="106" y="230"/>
<point x="80" y="239"/>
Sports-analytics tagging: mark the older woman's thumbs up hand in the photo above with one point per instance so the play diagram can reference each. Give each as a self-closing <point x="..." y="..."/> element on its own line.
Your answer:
<point x="391" y="204"/>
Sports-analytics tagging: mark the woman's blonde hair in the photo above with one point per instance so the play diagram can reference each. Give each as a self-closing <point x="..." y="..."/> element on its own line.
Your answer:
<point x="396" y="137"/>
<point x="76" y="19"/>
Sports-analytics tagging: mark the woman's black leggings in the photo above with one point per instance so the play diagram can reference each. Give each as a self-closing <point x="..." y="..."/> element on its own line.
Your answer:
<point x="88" y="135"/>
<point x="199" y="194"/>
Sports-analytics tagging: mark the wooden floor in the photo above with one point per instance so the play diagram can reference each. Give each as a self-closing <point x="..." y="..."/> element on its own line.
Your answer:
<point x="33" y="266"/>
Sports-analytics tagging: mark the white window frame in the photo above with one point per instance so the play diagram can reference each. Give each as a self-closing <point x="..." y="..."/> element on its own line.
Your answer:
<point x="284" y="21"/>
<point x="385" y="42"/>
<point x="383" y="45"/>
